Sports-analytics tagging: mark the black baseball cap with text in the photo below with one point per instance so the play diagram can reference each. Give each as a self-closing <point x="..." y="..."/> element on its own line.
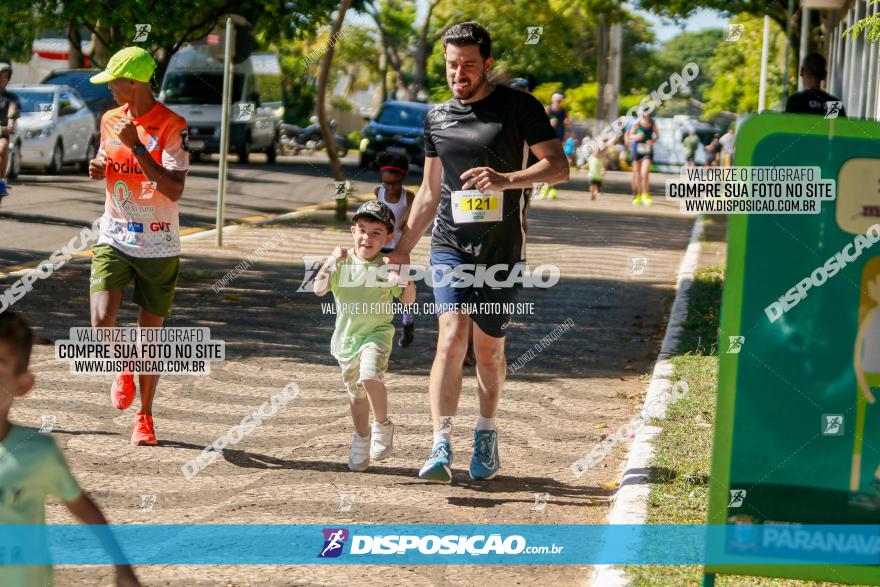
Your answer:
<point x="376" y="210"/>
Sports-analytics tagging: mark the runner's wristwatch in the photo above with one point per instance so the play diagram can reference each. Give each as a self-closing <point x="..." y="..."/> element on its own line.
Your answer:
<point x="139" y="149"/>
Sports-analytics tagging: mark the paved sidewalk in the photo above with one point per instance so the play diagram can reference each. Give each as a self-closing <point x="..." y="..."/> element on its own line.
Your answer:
<point x="293" y="468"/>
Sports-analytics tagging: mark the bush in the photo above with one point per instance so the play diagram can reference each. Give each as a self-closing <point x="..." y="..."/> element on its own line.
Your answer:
<point x="624" y="103"/>
<point x="545" y="91"/>
<point x="581" y="101"/>
<point x="340" y="104"/>
<point x="440" y="93"/>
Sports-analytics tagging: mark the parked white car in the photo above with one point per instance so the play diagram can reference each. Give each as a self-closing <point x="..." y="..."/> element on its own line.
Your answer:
<point x="56" y="127"/>
<point x="193" y="88"/>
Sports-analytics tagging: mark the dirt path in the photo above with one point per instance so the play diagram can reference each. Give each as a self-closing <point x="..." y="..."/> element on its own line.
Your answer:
<point x="292" y="469"/>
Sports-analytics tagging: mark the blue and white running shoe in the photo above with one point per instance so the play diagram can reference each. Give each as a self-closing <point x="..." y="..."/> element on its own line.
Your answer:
<point x="438" y="467"/>
<point x="3" y="190"/>
<point x="485" y="462"/>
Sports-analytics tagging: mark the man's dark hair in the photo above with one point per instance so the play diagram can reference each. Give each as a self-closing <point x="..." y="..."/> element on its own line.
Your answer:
<point x="815" y="65"/>
<point x="17" y="332"/>
<point x="398" y="160"/>
<point x="469" y="33"/>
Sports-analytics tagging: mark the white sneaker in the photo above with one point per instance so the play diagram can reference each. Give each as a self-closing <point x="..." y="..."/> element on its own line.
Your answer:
<point x="383" y="440"/>
<point x="359" y="456"/>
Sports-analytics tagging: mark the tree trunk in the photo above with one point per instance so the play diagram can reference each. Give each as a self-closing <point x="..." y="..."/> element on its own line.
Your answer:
<point x="100" y="51"/>
<point x="419" y="64"/>
<point x="421" y="54"/>
<point x="425" y="47"/>
<point x="394" y="61"/>
<point x="383" y="65"/>
<point x="326" y="133"/>
<point x="354" y="72"/>
<point x="75" y="58"/>
<point x="162" y="57"/>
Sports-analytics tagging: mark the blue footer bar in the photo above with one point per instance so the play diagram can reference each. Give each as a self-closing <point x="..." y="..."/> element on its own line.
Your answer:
<point x="421" y="544"/>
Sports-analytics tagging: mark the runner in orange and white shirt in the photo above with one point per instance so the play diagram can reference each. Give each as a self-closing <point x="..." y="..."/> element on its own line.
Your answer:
<point x="143" y="159"/>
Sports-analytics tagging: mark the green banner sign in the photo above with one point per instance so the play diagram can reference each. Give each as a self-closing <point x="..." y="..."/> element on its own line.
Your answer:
<point x="797" y="436"/>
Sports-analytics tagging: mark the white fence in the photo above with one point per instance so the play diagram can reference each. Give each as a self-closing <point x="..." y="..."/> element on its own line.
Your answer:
<point x="853" y="63"/>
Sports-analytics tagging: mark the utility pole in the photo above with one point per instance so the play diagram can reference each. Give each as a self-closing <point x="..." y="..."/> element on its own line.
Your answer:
<point x="765" y="51"/>
<point x="601" y="73"/>
<point x="224" y="130"/>
<point x="613" y="85"/>
<point x="789" y="16"/>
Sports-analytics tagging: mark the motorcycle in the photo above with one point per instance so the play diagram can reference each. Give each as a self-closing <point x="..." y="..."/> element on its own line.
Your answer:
<point x="295" y="139"/>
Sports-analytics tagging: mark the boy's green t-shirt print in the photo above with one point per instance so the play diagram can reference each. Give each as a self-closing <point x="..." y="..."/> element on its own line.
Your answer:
<point x="363" y="313"/>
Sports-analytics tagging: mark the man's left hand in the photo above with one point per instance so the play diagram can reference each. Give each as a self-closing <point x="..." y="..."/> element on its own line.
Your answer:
<point x="126" y="131"/>
<point x="485" y="179"/>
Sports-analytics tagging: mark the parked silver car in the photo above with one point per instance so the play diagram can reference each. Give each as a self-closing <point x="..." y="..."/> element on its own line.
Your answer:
<point x="56" y="127"/>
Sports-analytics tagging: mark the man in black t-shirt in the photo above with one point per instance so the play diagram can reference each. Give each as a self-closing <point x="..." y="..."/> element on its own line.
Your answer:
<point x="813" y="100"/>
<point x="9" y="111"/>
<point x="476" y="147"/>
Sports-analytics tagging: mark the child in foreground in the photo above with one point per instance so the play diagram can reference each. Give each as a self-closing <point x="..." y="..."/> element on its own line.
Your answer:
<point x="364" y="335"/>
<point x="31" y="466"/>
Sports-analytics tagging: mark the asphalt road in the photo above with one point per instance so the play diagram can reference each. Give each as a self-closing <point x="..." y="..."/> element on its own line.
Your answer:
<point x="44" y="211"/>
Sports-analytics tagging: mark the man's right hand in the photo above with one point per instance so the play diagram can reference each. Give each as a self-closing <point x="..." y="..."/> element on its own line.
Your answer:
<point x="97" y="168"/>
<point x="396" y="258"/>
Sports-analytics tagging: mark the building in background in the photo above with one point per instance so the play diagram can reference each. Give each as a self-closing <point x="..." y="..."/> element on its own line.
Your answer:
<point x="853" y="63"/>
<point x="48" y="54"/>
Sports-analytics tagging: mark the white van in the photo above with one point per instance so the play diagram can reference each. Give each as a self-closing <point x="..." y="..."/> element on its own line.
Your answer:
<point x="193" y="88"/>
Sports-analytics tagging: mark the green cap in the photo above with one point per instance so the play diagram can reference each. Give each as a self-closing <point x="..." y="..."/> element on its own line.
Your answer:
<point x="131" y="62"/>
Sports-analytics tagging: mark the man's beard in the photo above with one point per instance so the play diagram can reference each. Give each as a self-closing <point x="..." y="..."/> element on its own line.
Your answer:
<point x="472" y="88"/>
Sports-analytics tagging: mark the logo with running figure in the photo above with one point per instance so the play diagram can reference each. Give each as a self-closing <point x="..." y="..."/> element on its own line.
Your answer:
<point x="334" y="540"/>
<point x="47" y="423"/>
<point x="342" y="188"/>
<point x="735" y="344"/>
<point x="141" y="32"/>
<point x="833" y="108"/>
<point x="734" y="32"/>
<point x="832" y="424"/>
<point x="533" y="34"/>
<point x="639" y="264"/>
<point x="737" y="497"/>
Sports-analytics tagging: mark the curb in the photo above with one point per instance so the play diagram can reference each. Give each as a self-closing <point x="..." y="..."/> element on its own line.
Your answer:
<point x="631" y="499"/>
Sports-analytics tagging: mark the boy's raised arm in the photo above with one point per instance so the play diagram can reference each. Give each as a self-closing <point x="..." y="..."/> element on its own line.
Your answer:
<point x="322" y="280"/>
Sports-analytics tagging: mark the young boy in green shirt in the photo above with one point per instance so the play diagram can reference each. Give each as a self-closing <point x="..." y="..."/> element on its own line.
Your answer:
<point x="363" y="336"/>
<point x="32" y="467"/>
<point x="596" y="166"/>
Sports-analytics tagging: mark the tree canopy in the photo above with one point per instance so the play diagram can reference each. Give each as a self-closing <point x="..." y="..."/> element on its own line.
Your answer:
<point x="735" y="69"/>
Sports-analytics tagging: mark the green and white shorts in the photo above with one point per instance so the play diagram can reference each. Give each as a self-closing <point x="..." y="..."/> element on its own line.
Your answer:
<point x="370" y="362"/>
<point x="155" y="279"/>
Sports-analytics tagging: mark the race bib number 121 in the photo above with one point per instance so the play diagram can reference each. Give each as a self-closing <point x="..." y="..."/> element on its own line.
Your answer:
<point x="476" y="206"/>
